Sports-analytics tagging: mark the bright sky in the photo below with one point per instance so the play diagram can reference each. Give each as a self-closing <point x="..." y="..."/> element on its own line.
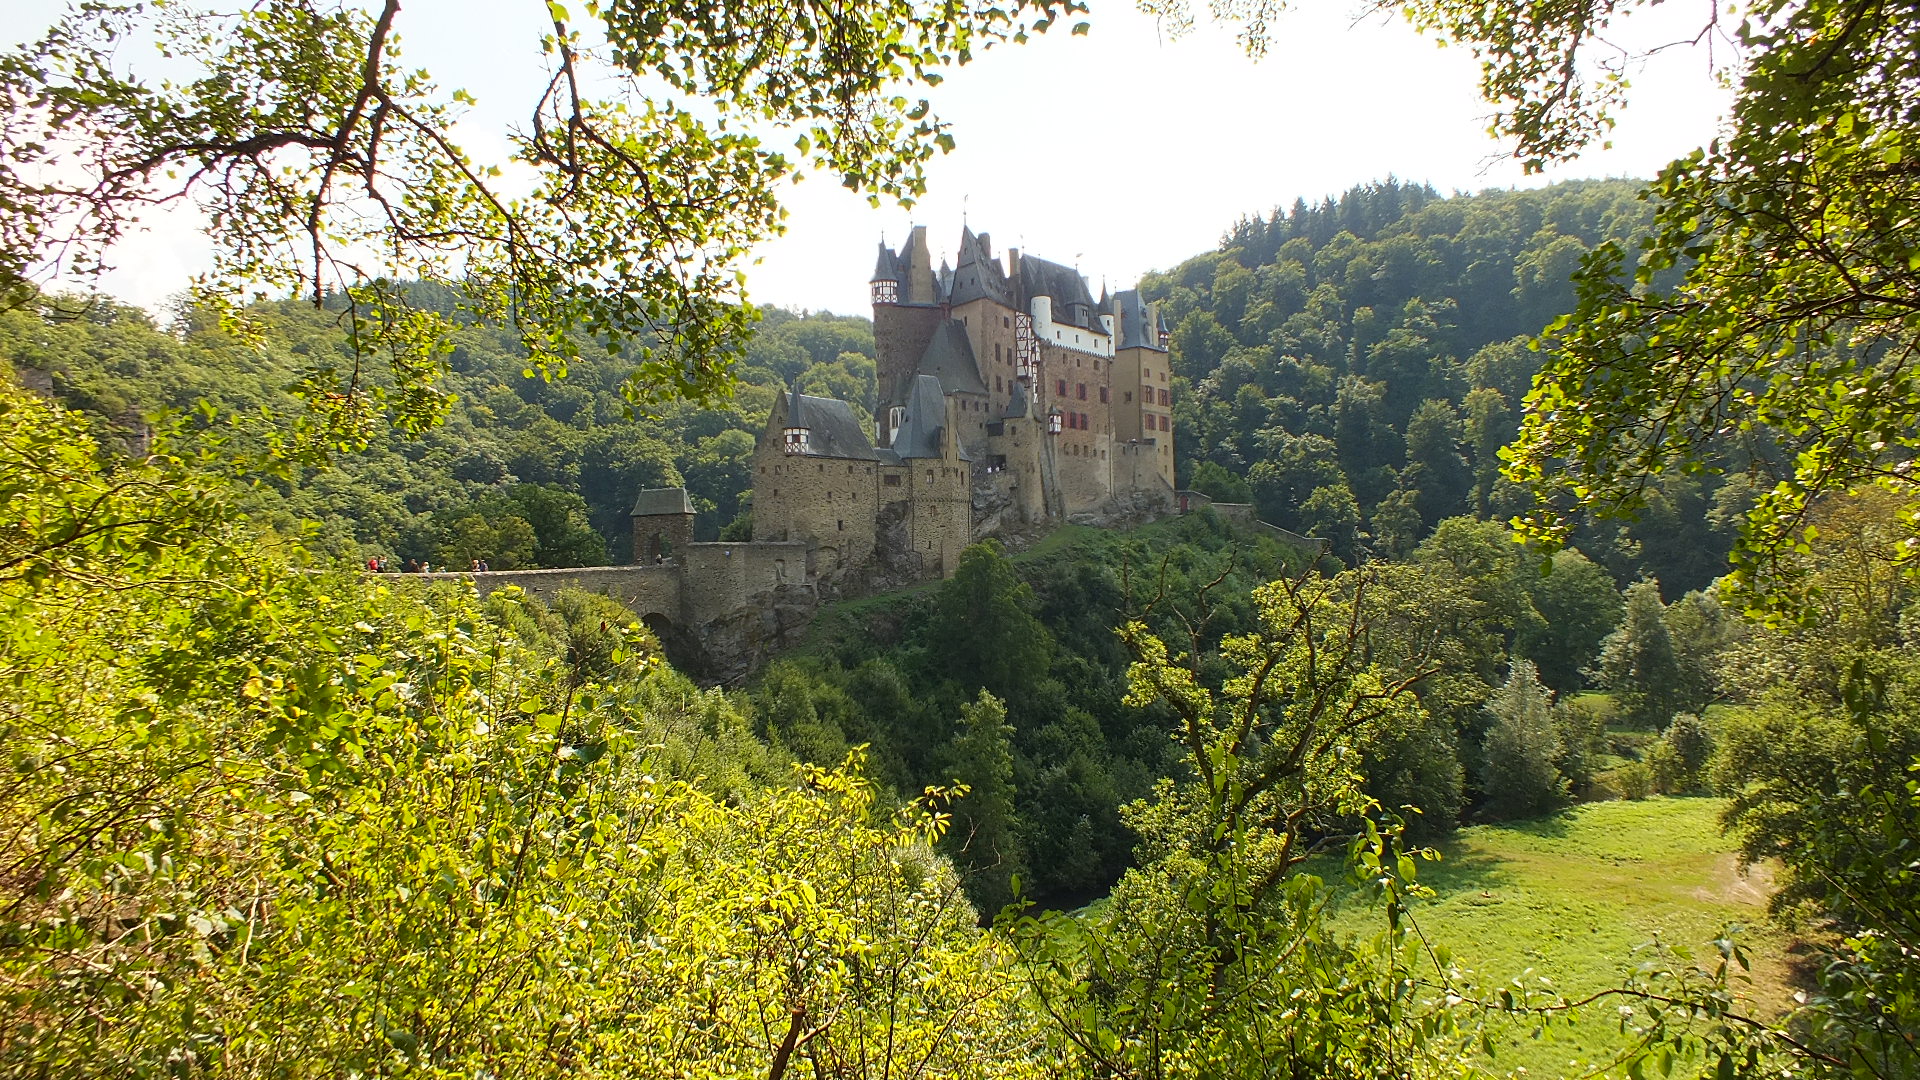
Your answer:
<point x="1174" y="139"/>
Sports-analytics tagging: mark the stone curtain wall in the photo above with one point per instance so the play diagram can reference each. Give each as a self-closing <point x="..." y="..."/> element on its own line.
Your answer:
<point x="706" y="582"/>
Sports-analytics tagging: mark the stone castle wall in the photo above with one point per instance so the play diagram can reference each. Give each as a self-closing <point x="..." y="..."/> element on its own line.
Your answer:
<point x="720" y="609"/>
<point x="835" y="501"/>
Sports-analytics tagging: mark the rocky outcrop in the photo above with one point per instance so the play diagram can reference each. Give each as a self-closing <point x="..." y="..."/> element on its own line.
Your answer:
<point x="734" y="645"/>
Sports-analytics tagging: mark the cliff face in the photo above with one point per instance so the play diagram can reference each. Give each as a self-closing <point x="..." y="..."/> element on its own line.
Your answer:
<point x="734" y="645"/>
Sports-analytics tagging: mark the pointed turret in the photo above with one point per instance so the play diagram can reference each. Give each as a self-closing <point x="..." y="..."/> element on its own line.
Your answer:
<point x="915" y="265"/>
<point x="886" y="277"/>
<point x="975" y="275"/>
<point x="797" y="435"/>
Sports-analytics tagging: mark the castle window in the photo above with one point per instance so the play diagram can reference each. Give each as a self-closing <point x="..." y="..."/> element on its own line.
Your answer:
<point x="843" y="526"/>
<point x="1004" y="321"/>
<point x="1103" y="395"/>
<point x="890" y="481"/>
<point x="996" y="352"/>
<point x="886" y="292"/>
<point x="1128" y="397"/>
<point x="1060" y="387"/>
<point x="1164" y="400"/>
<point x="822" y="466"/>
<point x="1080" y="391"/>
<point x="996" y="384"/>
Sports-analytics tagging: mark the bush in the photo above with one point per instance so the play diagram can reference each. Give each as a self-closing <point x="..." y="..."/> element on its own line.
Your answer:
<point x="1633" y="780"/>
<point x="1679" y="759"/>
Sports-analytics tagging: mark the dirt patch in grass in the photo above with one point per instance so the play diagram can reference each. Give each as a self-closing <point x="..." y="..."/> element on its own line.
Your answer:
<point x="1735" y="885"/>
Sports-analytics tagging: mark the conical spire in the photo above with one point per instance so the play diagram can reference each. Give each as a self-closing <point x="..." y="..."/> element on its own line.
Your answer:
<point x="796" y="434"/>
<point x="886" y="267"/>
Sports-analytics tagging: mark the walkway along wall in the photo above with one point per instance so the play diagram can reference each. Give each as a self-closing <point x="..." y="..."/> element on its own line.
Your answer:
<point x="719" y="609"/>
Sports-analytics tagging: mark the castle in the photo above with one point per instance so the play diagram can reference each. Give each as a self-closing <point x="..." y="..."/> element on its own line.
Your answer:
<point x="1009" y="399"/>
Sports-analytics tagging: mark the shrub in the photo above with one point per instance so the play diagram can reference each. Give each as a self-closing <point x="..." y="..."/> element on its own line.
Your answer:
<point x="1633" y="780"/>
<point x="1679" y="759"/>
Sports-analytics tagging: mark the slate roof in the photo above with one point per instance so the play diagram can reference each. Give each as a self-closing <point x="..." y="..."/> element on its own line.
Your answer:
<point x="1038" y="277"/>
<point x="919" y="434"/>
<point x="886" y="268"/>
<point x="656" y="501"/>
<point x="949" y="359"/>
<point x="1017" y="406"/>
<point x="832" y="429"/>
<point x="977" y="275"/>
<point x="1134" y="329"/>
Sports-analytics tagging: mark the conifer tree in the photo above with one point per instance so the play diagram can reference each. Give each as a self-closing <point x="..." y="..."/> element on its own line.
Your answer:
<point x="1520" y="778"/>
<point x="1638" y="662"/>
<point x="983" y="837"/>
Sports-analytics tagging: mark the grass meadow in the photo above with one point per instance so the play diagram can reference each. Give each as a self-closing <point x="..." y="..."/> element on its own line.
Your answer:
<point x="1574" y="898"/>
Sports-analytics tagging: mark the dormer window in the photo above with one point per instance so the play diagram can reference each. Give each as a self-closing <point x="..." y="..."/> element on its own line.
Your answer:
<point x="797" y="439"/>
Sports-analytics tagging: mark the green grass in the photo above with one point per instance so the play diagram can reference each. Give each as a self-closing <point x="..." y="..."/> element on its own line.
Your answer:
<point x="1572" y="897"/>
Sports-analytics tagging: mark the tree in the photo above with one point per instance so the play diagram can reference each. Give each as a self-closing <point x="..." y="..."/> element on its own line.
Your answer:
<point x="983" y="835"/>
<point x="1214" y="481"/>
<point x="1776" y="293"/>
<point x="989" y="637"/>
<point x="1578" y="608"/>
<point x="1396" y="523"/>
<point x="1638" y="663"/>
<point x="1434" y="438"/>
<point x="1519" y="776"/>
<point x="274" y="822"/>
<point x="329" y="168"/>
<point x="1702" y="631"/>
<point x="1211" y="958"/>
<point x="1331" y="512"/>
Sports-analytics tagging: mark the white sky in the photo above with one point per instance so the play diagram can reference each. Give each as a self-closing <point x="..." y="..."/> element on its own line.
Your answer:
<point x="1171" y="140"/>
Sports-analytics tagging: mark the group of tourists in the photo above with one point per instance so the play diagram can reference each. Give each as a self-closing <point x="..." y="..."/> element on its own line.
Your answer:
<point x="380" y="564"/>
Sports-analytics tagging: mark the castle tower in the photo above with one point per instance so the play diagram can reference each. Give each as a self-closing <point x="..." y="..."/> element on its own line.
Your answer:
<point x="662" y="525"/>
<point x="1143" y="411"/>
<point x="908" y="306"/>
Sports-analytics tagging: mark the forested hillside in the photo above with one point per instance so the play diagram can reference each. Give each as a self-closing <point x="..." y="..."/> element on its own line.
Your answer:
<point x="1354" y="366"/>
<point x="1350" y="367"/>
<point x="524" y="471"/>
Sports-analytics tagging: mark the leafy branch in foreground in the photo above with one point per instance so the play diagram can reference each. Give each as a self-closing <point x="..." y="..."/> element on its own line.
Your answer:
<point x="262" y="822"/>
<point x="1214" y="956"/>
<point x="327" y="168"/>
